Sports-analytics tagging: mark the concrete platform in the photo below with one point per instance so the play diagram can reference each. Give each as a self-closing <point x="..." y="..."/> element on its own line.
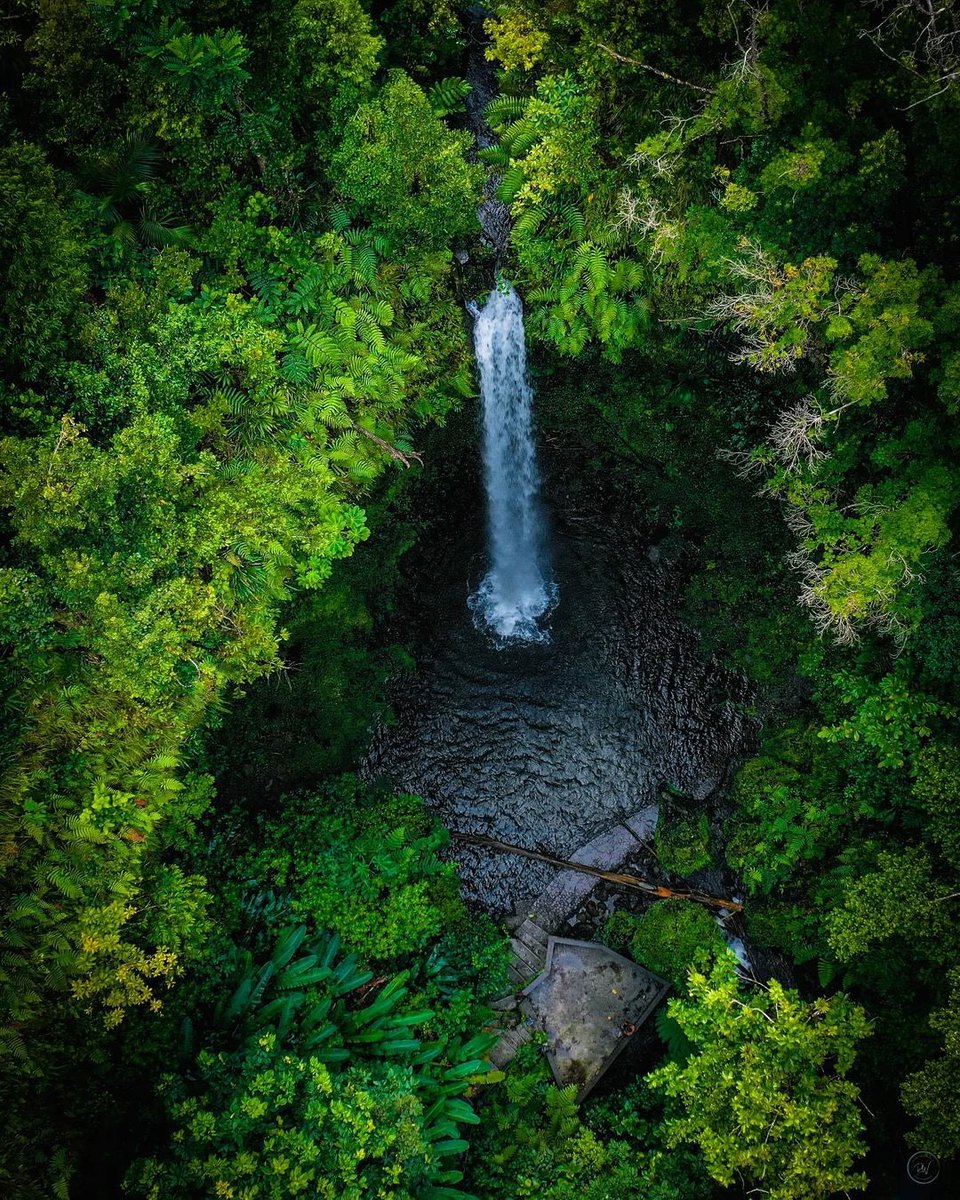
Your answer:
<point x="588" y="1001"/>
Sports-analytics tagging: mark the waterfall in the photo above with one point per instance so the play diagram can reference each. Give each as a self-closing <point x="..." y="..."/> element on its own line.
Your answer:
<point x="517" y="590"/>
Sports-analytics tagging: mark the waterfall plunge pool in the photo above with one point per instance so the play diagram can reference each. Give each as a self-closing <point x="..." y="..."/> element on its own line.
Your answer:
<point x="538" y="723"/>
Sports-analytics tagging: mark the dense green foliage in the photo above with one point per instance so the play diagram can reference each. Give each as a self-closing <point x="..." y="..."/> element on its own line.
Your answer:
<point x="213" y="345"/>
<point x="759" y="207"/>
<point x="232" y="247"/>
<point x="307" y="1081"/>
<point x="778" y="182"/>
<point x="764" y="1094"/>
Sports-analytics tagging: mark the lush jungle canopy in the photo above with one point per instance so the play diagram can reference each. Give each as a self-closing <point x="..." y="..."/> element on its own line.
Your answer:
<point x="235" y="245"/>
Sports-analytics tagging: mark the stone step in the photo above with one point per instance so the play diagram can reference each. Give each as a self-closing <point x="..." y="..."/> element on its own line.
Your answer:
<point x="515" y="975"/>
<point x="527" y="958"/>
<point x="509" y="1044"/>
<point x="530" y="958"/>
<point x="532" y="935"/>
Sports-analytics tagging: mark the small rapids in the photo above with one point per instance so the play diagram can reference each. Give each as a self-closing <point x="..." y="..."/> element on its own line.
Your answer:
<point x="517" y="591"/>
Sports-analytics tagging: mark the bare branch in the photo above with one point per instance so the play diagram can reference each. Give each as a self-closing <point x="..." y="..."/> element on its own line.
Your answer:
<point x="935" y="44"/>
<point x="401" y="456"/>
<point x="796" y="433"/>
<point x="633" y="62"/>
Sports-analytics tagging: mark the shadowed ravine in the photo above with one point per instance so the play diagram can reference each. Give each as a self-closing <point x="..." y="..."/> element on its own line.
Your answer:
<point x="544" y="743"/>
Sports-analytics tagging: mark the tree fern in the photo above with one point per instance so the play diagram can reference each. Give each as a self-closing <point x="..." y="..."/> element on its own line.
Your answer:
<point x="369" y="331"/>
<point x="562" y="1110"/>
<point x="447" y="95"/>
<point x="381" y="311"/>
<point x="670" y="1032"/>
<point x="364" y="264"/>
<point x="300" y="299"/>
<point x="520" y="137"/>
<point x="295" y="369"/>
<point x="266" y="285"/>
<point x="369" y="238"/>
<point x="511" y="182"/>
<point x="331" y="412"/>
<point x="316" y="345"/>
<point x="527" y="224"/>
<point x="573" y="218"/>
<point x="502" y="110"/>
<point x="496" y="156"/>
<point x="626" y="275"/>
<point x="79" y="828"/>
<point x="339" y="218"/>
<point x="159" y="228"/>
<point x="67" y="880"/>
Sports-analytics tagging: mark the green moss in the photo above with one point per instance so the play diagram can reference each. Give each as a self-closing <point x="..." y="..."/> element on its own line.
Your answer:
<point x="682" y="843"/>
<point x="619" y="930"/>
<point x="668" y="938"/>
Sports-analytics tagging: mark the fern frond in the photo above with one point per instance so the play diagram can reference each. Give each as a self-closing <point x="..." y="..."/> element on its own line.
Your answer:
<point x="339" y="218"/>
<point x="502" y="110"/>
<point x="573" y="218"/>
<point x="447" y="95"/>
<point x="512" y="181"/>
<point x="497" y="156"/>
<point x="520" y="137"/>
<point x="527" y="224"/>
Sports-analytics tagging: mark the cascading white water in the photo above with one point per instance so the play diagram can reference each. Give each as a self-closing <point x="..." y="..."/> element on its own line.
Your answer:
<point x="517" y="590"/>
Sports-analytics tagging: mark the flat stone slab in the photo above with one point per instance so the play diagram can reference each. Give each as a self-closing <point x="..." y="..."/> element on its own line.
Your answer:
<point x="588" y="1001"/>
<point x="608" y="851"/>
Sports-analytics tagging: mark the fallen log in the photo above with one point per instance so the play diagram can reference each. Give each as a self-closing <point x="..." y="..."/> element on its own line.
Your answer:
<point x="615" y="877"/>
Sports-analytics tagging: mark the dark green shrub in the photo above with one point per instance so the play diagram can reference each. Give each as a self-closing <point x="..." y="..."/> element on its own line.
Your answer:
<point x="360" y="863"/>
<point x="667" y="939"/>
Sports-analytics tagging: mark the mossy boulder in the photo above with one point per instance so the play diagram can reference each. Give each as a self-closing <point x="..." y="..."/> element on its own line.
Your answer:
<point x="668" y="938"/>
